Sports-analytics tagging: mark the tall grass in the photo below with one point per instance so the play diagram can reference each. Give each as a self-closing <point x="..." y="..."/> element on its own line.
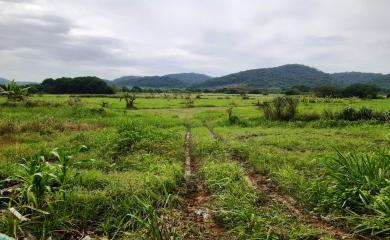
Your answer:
<point x="360" y="184"/>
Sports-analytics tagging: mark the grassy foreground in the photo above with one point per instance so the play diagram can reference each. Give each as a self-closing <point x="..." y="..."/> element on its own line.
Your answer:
<point x="73" y="168"/>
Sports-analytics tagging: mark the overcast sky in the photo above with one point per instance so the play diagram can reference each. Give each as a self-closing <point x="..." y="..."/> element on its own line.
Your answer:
<point x="112" y="38"/>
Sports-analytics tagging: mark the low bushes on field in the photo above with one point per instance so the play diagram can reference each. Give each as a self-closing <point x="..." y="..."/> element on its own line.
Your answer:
<point x="281" y="108"/>
<point x="352" y="114"/>
<point x="139" y="135"/>
<point x="308" y="117"/>
<point x="233" y="119"/>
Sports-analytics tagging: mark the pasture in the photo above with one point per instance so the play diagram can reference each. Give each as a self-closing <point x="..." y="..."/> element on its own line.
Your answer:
<point x="178" y="166"/>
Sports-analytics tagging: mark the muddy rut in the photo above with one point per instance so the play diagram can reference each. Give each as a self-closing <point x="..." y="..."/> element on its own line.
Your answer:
<point x="264" y="184"/>
<point x="197" y="210"/>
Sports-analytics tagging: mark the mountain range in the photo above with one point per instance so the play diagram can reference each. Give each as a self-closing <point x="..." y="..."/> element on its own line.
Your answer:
<point x="177" y="80"/>
<point x="282" y="77"/>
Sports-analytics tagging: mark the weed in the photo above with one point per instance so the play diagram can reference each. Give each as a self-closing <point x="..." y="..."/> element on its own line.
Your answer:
<point x="281" y="108"/>
<point x="189" y="102"/>
<point x="36" y="181"/>
<point x="357" y="178"/>
<point x="233" y="119"/>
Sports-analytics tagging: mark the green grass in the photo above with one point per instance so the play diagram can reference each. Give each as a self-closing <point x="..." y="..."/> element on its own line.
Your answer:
<point x="131" y="175"/>
<point x="238" y="206"/>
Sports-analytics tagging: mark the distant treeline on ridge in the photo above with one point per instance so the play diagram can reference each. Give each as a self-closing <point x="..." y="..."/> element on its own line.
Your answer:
<point x="291" y="79"/>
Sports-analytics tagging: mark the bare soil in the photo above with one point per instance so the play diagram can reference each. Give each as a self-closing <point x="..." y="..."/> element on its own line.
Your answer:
<point x="197" y="210"/>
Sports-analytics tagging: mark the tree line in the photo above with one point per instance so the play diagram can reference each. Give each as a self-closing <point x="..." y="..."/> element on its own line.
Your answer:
<point x="95" y="85"/>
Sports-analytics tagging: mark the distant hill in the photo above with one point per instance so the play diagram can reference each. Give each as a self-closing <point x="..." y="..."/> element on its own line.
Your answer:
<point x="382" y="82"/>
<point x="277" y="77"/>
<point x="149" y="82"/>
<point x="177" y="80"/>
<point x="348" y="78"/>
<point x="189" y="78"/>
<point x="4" y="81"/>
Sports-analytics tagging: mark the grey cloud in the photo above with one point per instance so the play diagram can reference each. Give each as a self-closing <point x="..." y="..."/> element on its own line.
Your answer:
<point x="42" y="38"/>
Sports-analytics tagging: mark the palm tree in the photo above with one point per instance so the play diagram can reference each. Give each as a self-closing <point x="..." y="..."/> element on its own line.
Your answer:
<point x="14" y="92"/>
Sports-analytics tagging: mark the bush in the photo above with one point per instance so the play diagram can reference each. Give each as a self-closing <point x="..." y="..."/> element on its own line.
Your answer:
<point x="362" y="114"/>
<point x="351" y="114"/>
<point x="309" y="117"/>
<point x="281" y="108"/>
<point x="233" y="119"/>
<point x="292" y="92"/>
<point x="360" y="185"/>
<point x="361" y="90"/>
<point x="327" y="91"/>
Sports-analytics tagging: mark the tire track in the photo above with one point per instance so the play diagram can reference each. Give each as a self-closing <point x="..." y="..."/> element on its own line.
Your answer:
<point x="197" y="209"/>
<point x="264" y="184"/>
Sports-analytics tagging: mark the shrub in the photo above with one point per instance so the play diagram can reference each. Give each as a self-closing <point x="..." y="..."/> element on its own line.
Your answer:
<point x="328" y="114"/>
<point x="231" y="117"/>
<point x="281" y="108"/>
<point x="327" y="91"/>
<point x="382" y="116"/>
<point x="309" y="117"/>
<point x="74" y="102"/>
<point x="189" y="102"/>
<point x="351" y="114"/>
<point x="129" y="99"/>
<point x="361" y="90"/>
<point x="244" y="96"/>
<point x="292" y="91"/>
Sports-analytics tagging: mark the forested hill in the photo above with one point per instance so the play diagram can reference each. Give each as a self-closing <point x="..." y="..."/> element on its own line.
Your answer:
<point x="277" y="77"/>
<point x="149" y="82"/>
<point x="177" y="80"/>
<point x="348" y="78"/>
<point x="189" y="78"/>
<point x="382" y="81"/>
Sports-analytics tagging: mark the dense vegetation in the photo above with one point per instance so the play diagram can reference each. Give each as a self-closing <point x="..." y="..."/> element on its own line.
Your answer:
<point x="359" y="90"/>
<point x="80" y="85"/>
<point x="292" y="79"/>
<point x="278" y="78"/>
<point x="383" y="82"/>
<point x="179" y="80"/>
<point x="348" y="78"/>
<point x="150" y="82"/>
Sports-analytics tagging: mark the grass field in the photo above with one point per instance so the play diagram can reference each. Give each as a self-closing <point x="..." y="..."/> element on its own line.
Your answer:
<point x="170" y="169"/>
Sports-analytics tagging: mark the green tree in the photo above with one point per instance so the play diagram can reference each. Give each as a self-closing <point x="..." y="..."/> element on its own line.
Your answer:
<point x="14" y="92"/>
<point x="361" y="90"/>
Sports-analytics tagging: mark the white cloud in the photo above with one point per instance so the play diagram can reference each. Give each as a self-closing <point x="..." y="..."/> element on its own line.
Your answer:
<point x="52" y="38"/>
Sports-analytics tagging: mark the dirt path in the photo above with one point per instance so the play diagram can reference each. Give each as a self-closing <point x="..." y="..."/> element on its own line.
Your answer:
<point x="197" y="209"/>
<point x="264" y="184"/>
